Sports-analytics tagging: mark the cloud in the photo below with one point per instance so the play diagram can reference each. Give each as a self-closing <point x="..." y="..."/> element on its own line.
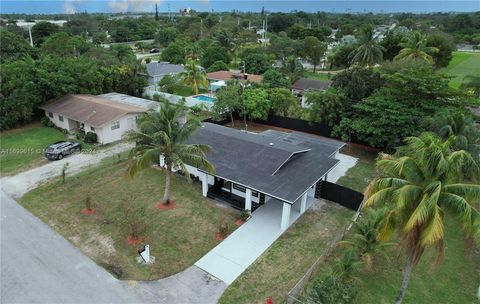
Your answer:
<point x="118" y="6"/>
<point x="70" y="6"/>
<point x="121" y="6"/>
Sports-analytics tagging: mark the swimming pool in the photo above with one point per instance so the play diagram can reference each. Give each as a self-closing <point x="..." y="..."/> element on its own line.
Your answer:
<point x="204" y="98"/>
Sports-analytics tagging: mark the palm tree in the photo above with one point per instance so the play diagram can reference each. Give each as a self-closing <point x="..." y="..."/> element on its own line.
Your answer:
<point x="416" y="48"/>
<point x="163" y="134"/>
<point x="418" y="189"/>
<point x="194" y="76"/>
<point x="364" y="239"/>
<point x="369" y="52"/>
<point x="292" y="69"/>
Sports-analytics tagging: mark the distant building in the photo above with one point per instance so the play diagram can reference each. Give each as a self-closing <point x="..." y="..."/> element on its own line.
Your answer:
<point x="348" y="40"/>
<point x="304" y="85"/>
<point x="157" y="70"/>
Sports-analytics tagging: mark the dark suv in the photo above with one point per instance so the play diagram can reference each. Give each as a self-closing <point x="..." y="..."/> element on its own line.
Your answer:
<point x="61" y="148"/>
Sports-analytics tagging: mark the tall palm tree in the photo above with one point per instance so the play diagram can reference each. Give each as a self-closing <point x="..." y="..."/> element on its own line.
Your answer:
<point x="369" y="52"/>
<point x="164" y="134"/>
<point x="194" y="76"/>
<point x="416" y="48"/>
<point x="418" y="189"/>
<point x="292" y="68"/>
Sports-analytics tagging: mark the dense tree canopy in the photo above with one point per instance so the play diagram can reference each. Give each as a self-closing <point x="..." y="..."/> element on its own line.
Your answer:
<point x="13" y="47"/>
<point x="43" y="29"/>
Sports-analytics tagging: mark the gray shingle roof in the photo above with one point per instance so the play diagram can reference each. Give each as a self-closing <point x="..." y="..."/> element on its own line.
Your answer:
<point x="163" y="68"/>
<point x="282" y="165"/>
<point x="311" y="84"/>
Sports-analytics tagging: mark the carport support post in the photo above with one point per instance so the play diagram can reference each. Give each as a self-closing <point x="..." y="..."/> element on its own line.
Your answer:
<point x="285" y="216"/>
<point x="248" y="199"/>
<point x="303" y="204"/>
<point x="204" y="184"/>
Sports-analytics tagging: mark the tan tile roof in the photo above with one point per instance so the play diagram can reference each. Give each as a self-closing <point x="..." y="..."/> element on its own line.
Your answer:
<point x="90" y="109"/>
<point x="227" y="75"/>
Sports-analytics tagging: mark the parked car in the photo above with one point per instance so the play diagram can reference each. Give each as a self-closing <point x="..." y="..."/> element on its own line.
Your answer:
<point x="61" y="148"/>
<point x="154" y="50"/>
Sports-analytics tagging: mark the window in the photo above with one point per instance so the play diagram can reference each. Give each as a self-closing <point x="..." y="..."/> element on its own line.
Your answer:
<point x="92" y="129"/>
<point x="115" y="125"/>
<point x="50" y="114"/>
<point x="60" y="117"/>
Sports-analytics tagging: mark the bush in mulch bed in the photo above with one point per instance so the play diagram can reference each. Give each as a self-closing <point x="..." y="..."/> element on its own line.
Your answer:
<point x="222" y="231"/>
<point x="134" y="216"/>
<point x="88" y="210"/>
<point x="169" y="206"/>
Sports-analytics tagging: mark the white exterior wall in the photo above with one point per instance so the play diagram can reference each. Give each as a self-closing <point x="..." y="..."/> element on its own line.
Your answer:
<point x="61" y="124"/>
<point x="107" y="135"/>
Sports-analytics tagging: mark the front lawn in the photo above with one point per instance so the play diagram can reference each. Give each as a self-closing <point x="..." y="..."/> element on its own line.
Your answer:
<point x="177" y="237"/>
<point x="318" y="75"/>
<point x="279" y="268"/>
<point x="22" y="148"/>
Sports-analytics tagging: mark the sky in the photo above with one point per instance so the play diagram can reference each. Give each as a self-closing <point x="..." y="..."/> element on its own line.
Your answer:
<point x="339" y="6"/>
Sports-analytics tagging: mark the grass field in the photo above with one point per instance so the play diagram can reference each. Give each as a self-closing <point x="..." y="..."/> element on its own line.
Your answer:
<point x="177" y="237"/>
<point x="319" y="76"/>
<point x="279" y="268"/>
<point x="358" y="177"/>
<point x="461" y="65"/>
<point x="186" y="91"/>
<point x="454" y="281"/>
<point x="22" y="148"/>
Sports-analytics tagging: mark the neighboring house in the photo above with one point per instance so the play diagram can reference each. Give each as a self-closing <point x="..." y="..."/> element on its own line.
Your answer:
<point x="227" y="75"/>
<point x="157" y="70"/>
<point x="271" y="167"/>
<point x="304" y="85"/>
<point x="109" y="115"/>
<point x="348" y="40"/>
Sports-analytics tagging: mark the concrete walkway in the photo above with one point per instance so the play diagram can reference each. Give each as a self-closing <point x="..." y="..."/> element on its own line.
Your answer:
<point x="346" y="162"/>
<point x="231" y="258"/>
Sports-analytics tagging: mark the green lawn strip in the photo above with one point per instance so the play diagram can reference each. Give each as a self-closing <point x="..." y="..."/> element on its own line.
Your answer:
<point x="461" y="65"/>
<point x="358" y="177"/>
<point x="318" y="76"/>
<point x="186" y="91"/>
<point x="454" y="281"/>
<point x="23" y="148"/>
<point x="177" y="237"/>
<point x="278" y="269"/>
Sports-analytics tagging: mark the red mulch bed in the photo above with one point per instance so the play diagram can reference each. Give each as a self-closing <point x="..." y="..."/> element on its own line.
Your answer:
<point x="220" y="237"/>
<point x="134" y="241"/>
<point x="162" y="206"/>
<point x="87" y="211"/>
<point x="239" y="222"/>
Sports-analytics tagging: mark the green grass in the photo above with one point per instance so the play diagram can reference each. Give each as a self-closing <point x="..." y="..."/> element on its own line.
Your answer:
<point x="279" y="268"/>
<point x="454" y="281"/>
<point x="186" y="91"/>
<point x="319" y="76"/>
<point x="177" y="237"/>
<point x="358" y="177"/>
<point x="461" y="65"/>
<point x="22" y="148"/>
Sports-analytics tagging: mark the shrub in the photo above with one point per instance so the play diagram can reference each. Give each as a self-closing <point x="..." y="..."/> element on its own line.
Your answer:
<point x="88" y="202"/>
<point x="90" y="138"/>
<point x="46" y="122"/>
<point x="332" y="289"/>
<point x="244" y="215"/>
<point x="148" y="60"/>
<point x="223" y="228"/>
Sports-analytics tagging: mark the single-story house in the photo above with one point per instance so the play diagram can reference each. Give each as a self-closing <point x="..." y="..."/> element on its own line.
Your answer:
<point x="304" y="85"/>
<point x="108" y="115"/>
<point x="227" y="75"/>
<point x="271" y="167"/>
<point x="157" y="70"/>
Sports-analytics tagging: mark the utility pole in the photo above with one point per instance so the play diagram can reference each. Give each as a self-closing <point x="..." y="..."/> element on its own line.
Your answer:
<point x="156" y="12"/>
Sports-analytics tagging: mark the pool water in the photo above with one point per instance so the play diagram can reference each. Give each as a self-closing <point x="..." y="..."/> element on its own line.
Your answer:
<point x="205" y="98"/>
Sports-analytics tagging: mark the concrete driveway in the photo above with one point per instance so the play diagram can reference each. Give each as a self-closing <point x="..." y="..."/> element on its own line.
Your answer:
<point x="17" y="185"/>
